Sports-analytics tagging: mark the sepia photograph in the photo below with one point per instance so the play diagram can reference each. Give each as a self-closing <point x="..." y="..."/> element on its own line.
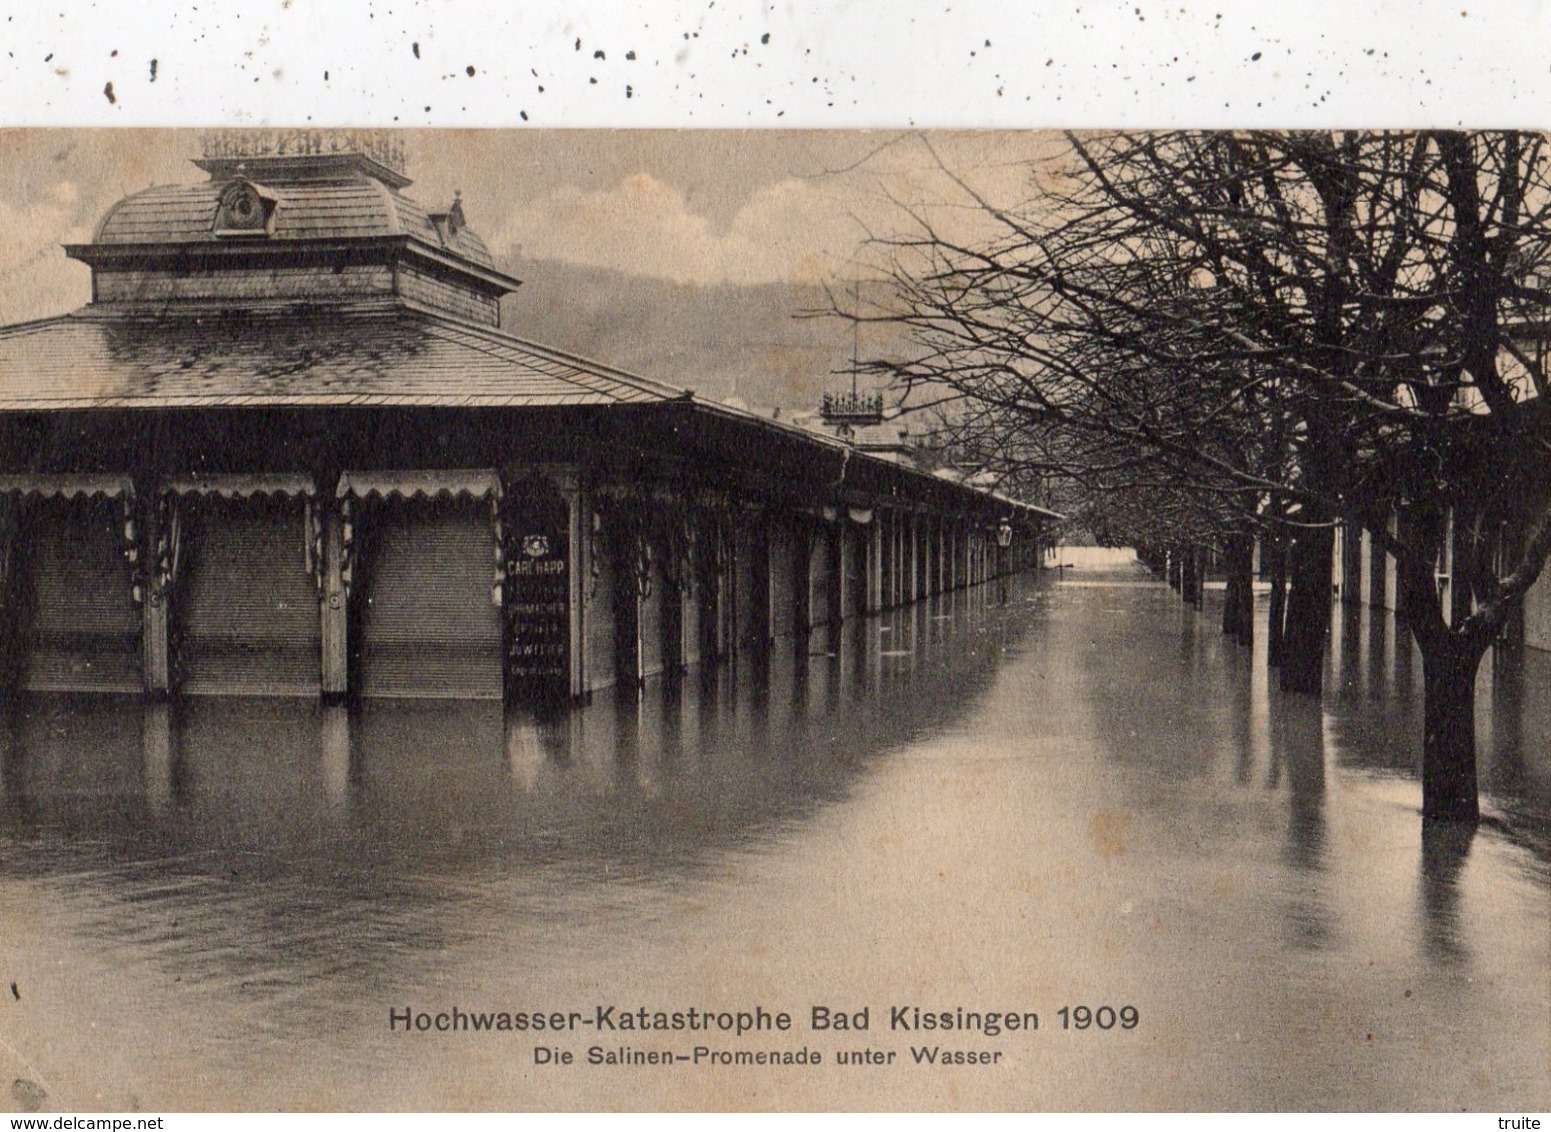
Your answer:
<point x="909" y="619"/>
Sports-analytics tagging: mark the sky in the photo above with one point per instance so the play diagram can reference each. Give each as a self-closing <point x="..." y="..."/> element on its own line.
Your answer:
<point x="686" y="255"/>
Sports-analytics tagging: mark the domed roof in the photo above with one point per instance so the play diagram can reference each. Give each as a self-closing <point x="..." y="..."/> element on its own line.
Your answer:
<point x="335" y="201"/>
<point x="310" y="218"/>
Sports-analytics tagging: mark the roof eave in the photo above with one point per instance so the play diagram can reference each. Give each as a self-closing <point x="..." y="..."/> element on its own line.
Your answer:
<point x="140" y="255"/>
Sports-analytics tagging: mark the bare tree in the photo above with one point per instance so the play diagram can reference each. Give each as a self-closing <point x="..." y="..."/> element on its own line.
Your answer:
<point x="1296" y="330"/>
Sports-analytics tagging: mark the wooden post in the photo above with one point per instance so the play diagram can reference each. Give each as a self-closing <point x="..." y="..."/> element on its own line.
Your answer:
<point x="896" y="561"/>
<point x="875" y="564"/>
<point x="1351" y="564"/>
<point x="726" y="579"/>
<point x="940" y="574"/>
<point x="914" y="594"/>
<point x="156" y="602"/>
<point x="953" y="554"/>
<point x="927" y="540"/>
<point x="334" y="606"/>
<point x="12" y="631"/>
<point x="802" y="579"/>
<point x="835" y="545"/>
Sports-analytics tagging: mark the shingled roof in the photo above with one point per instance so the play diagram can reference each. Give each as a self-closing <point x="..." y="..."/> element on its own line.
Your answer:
<point x="348" y="208"/>
<point x="384" y="354"/>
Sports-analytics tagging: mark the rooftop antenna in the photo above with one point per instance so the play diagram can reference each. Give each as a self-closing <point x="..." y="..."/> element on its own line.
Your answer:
<point x="848" y="413"/>
<point x="856" y="332"/>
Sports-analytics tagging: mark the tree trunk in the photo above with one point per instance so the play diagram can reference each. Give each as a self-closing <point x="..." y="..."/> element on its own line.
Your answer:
<point x="1230" y="603"/>
<point x="1449" y="790"/>
<point x="1276" y="615"/>
<point x="1449" y="663"/>
<point x="1187" y="575"/>
<point x="1238" y="611"/>
<point x="1246" y="572"/>
<point x="1308" y="612"/>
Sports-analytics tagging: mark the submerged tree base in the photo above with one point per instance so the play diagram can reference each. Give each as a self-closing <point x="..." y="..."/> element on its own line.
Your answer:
<point x="1449" y="787"/>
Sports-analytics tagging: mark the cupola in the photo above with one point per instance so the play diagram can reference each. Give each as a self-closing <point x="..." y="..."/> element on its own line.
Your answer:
<point x="292" y="217"/>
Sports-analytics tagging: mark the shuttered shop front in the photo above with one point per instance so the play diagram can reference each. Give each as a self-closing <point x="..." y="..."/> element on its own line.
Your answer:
<point x="247" y="612"/>
<point x="85" y="627"/>
<point x="427" y="624"/>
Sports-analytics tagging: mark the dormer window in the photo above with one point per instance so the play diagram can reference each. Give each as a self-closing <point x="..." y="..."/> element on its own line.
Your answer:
<point x="245" y="209"/>
<point x="448" y="224"/>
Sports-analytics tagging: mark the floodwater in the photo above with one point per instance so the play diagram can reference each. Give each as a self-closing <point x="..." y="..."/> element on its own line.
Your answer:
<point x="1068" y="793"/>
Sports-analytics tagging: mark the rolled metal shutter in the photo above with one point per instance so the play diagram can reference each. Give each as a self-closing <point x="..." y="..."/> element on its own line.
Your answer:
<point x="247" y="614"/>
<point x="85" y="632"/>
<point x="428" y="625"/>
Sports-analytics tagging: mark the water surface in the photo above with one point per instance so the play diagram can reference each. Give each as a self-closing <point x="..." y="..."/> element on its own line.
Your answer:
<point x="1069" y="791"/>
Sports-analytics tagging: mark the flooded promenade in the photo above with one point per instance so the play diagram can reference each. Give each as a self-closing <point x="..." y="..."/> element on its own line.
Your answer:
<point x="1071" y="792"/>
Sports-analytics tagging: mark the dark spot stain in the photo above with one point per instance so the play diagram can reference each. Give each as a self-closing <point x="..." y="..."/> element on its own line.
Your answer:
<point x="325" y="76"/>
<point x="107" y="92"/>
<point x="113" y="54"/>
<point x="153" y="70"/>
<point x="599" y="54"/>
<point x="765" y="38"/>
<point x="1255" y="58"/>
<point x="49" y="58"/>
<point x="630" y="55"/>
<point x="16" y="994"/>
<point x="578" y="43"/>
<point x="28" y="1095"/>
<point x="469" y="70"/>
<point x="523" y="114"/>
<point x="629" y="91"/>
<point x="593" y="81"/>
<point x="415" y="47"/>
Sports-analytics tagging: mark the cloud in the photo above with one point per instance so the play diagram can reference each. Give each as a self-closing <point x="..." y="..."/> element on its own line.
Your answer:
<point x="36" y="279"/>
<point x="786" y="232"/>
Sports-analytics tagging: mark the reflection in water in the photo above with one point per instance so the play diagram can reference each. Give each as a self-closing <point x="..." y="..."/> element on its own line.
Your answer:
<point x="1085" y="792"/>
<point x="269" y="824"/>
<point x="1298" y="753"/>
<point x="1445" y="845"/>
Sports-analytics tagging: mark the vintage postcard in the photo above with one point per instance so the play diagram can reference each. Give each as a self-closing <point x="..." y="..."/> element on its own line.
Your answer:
<point x="550" y="620"/>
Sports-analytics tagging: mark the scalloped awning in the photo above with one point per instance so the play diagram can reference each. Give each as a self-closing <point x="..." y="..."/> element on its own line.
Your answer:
<point x="475" y="483"/>
<point x="67" y="486"/>
<point x="242" y="485"/>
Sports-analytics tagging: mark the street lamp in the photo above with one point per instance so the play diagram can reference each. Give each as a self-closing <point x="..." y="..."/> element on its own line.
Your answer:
<point x="1003" y="541"/>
